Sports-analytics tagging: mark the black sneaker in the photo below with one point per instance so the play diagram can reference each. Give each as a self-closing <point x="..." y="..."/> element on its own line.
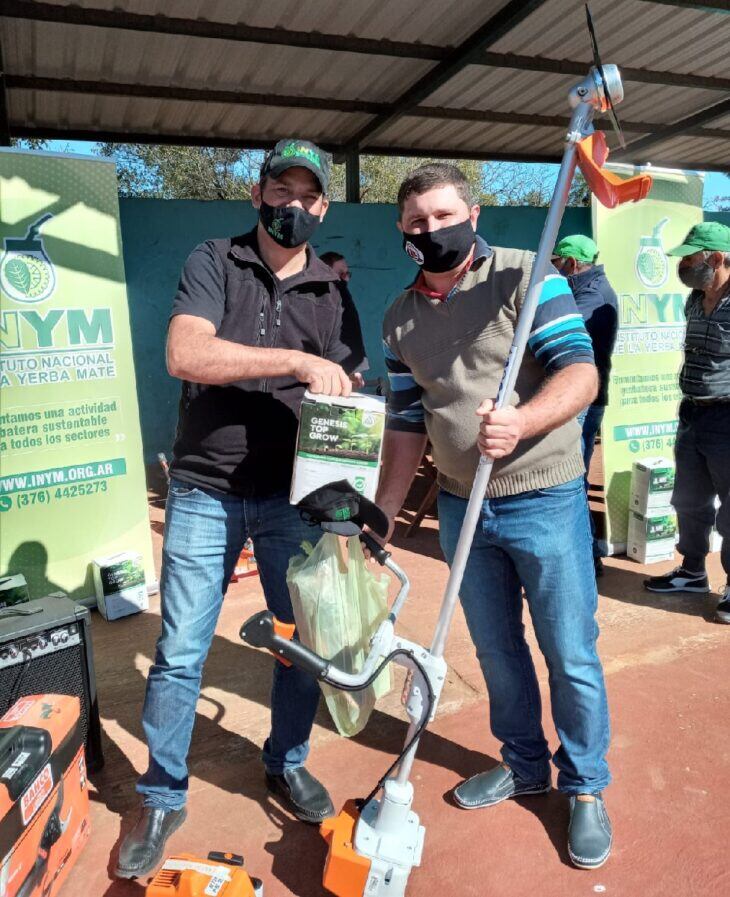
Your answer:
<point x="722" y="611"/>
<point x="679" y="580"/>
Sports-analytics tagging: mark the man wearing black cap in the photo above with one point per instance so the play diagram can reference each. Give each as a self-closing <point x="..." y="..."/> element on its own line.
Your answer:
<point x="256" y="320"/>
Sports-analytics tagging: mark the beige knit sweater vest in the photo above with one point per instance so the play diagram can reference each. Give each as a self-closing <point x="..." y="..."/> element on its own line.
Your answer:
<point x="456" y="351"/>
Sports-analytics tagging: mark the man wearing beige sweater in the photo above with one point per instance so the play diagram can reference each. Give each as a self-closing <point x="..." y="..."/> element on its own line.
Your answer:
<point x="446" y="339"/>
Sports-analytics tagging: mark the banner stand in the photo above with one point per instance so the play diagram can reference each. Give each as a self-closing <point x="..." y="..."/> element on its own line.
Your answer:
<point x="72" y="481"/>
<point x="641" y="417"/>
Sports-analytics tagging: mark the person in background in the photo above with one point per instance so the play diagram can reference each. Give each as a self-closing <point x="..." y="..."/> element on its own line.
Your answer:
<point x="702" y="449"/>
<point x="351" y="330"/>
<point x="575" y="258"/>
<point x="338" y="263"/>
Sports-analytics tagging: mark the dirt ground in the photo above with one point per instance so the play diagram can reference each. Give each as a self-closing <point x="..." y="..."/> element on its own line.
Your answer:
<point x="666" y="665"/>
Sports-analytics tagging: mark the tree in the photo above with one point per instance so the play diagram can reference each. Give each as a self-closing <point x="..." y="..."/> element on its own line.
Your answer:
<point x="722" y="203"/>
<point x="183" y="172"/>
<point x="186" y="172"/>
<point x="381" y="176"/>
<point x="30" y="143"/>
<point x="492" y="183"/>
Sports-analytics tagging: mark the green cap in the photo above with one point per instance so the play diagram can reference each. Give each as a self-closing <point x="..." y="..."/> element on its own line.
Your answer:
<point x="578" y="247"/>
<point x="711" y="235"/>
<point x="291" y="153"/>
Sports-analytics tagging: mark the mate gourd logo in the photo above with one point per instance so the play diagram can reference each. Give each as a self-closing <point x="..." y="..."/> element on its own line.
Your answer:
<point x="26" y="271"/>
<point x="652" y="267"/>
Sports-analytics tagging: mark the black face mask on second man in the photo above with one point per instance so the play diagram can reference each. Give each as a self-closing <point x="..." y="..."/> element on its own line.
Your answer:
<point x="289" y="226"/>
<point x="441" y="250"/>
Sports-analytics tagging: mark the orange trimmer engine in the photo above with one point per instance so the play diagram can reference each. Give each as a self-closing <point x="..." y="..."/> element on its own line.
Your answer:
<point x="221" y="875"/>
<point x="44" y="797"/>
<point x="346" y="871"/>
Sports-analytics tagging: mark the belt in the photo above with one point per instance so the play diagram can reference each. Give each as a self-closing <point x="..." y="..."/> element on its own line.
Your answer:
<point x="711" y="400"/>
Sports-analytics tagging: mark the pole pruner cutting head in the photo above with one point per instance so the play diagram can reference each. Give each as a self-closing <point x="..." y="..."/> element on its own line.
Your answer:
<point x="609" y="90"/>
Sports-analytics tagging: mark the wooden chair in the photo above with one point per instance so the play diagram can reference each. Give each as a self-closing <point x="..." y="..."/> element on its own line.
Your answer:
<point x="429" y="499"/>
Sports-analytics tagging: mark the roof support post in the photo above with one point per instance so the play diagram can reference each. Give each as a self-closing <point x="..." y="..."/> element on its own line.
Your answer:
<point x="4" y="121"/>
<point x="352" y="177"/>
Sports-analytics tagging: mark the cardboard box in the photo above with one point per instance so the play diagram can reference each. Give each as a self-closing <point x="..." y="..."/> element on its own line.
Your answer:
<point x="338" y="439"/>
<point x="44" y="794"/>
<point x="652" y="482"/>
<point x="652" y="536"/>
<point x="120" y="585"/>
<point x="13" y="590"/>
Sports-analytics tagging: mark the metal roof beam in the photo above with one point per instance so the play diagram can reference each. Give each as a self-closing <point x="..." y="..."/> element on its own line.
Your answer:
<point x="204" y="95"/>
<point x="50" y="133"/>
<point x="705" y="6"/>
<point x="682" y="127"/>
<point x="570" y="67"/>
<point x="500" y="24"/>
<point x="188" y="94"/>
<point x="159" y="24"/>
<point x="105" y="136"/>
<point x="4" y="120"/>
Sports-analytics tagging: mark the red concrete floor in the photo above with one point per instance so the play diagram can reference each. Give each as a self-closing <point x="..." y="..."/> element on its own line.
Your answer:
<point x="666" y="666"/>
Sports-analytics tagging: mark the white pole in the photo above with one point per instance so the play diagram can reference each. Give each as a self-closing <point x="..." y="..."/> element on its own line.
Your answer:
<point x="580" y="119"/>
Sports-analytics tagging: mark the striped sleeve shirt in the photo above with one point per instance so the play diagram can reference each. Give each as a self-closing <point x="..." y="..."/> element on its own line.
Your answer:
<point x="558" y="339"/>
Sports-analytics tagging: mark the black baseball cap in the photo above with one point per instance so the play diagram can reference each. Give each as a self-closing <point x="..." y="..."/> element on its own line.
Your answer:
<point x="291" y="153"/>
<point x="339" y="508"/>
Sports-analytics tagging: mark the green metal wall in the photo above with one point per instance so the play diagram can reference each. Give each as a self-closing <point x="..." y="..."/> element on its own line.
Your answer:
<point x="159" y="234"/>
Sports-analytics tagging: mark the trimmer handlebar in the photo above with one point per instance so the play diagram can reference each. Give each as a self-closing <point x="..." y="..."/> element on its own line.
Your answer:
<point x="263" y="630"/>
<point x="375" y="548"/>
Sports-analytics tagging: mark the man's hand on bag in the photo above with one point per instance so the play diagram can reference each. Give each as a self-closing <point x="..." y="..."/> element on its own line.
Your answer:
<point x="357" y="380"/>
<point x="321" y="376"/>
<point x="499" y="431"/>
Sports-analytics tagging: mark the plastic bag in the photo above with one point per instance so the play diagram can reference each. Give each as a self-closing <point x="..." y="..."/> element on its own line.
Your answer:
<point x="338" y="604"/>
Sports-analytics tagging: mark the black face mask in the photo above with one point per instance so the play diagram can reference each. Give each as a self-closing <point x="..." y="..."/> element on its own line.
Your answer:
<point x="290" y="226"/>
<point x="440" y="250"/>
<point x="698" y="276"/>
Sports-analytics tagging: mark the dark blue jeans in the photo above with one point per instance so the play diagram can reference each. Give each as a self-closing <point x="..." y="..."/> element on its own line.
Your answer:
<point x="590" y="421"/>
<point x="204" y="534"/>
<point x="702" y="457"/>
<point x="539" y="541"/>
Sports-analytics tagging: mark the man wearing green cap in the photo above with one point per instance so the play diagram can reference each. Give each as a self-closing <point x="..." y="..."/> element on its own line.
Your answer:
<point x="702" y="449"/>
<point x="575" y="257"/>
<point x="257" y="319"/>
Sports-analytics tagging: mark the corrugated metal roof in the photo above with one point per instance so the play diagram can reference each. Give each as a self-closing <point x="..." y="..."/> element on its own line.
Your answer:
<point x="630" y="32"/>
<point x="634" y="34"/>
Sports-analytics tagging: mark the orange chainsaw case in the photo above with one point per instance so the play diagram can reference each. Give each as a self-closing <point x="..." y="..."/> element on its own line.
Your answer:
<point x="44" y="797"/>
<point x="185" y="875"/>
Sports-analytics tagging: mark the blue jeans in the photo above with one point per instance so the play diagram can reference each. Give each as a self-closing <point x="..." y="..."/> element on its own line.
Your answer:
<point x="702" y="455"/>
<point x="538" y="541"/>
<point x="204" y="534"/>
<point x="590" y="421"/>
